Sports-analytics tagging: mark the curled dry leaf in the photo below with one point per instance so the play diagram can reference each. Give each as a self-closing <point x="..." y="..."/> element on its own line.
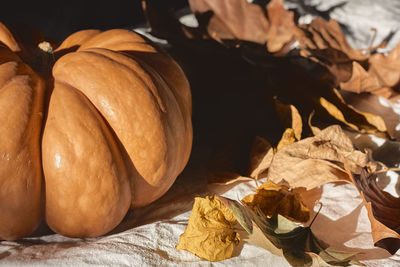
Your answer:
<point x="363" y="122"/>
<point x="383" y="211"/>
<point x="273" y="199"/>
<point x="290" y="117"/>
<point x="210" y="234"/>
<point x="283" y="237"/>
<point x="317" y="160"/>
<point x="240" y="20"/>
<point x="374" y="104"/>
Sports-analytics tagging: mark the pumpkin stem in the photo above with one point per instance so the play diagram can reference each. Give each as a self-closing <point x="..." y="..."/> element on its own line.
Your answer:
<point x="47" y="48"/>
<point x="47" y="58"/>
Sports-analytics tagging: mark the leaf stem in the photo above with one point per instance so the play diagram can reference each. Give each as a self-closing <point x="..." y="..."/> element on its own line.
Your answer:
<point x="320" y="207"/>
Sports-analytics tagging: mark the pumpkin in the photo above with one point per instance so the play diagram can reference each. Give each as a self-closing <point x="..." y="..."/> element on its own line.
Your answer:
<point x="98" y="126"/>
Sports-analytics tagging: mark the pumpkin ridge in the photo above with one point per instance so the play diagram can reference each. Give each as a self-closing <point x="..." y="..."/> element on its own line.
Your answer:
<point x="157" y="78"/>
<point x="22" y="146"/>
<point x="153" y="143"/>
<point x="108" y="191"/>
<point x="147" y="82"/>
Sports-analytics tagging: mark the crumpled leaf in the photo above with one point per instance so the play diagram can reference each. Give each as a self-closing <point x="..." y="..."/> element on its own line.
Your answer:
<point x="324" y="42"/>
<point x="240" y="20"/>
<point x="353" y="70"/>
<point x="290" y="117"/>
<point x="383" y="211"/>
<point x="210" y="234"/>
<point x="317" y="160"/>
<point x="283" y="237"/>
<point x="273" y="199"/>
<point x="260" y="157"/>
<point x="381" y="72"/>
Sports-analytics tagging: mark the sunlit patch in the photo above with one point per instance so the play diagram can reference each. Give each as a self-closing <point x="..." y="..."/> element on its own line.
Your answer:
<point x="57" y="160"/>
<point x="377" y="140"/>
<point x="107" y="107"/>
<point x="391" y="187"/>
<point x="384" y="102"/>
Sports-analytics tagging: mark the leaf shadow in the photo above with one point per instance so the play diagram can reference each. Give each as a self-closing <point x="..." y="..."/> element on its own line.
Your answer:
<point x="344" y="230"/>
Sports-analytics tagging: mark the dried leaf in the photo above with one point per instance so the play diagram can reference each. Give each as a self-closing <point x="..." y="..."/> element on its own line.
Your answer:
<point x="287" y="238"/>
<point x="210" y="234"/>
<point x="374" y="104"/>
<point x="317" y="160"/>
<point x="360" y="80"/>
<point x="274" y="199"/>
<point x="227" y="178"/>
<point x="258" y="238"/>
<point x="352" y="70"/>
<point x="382" y="73"/>
<point x="282" y="27"/>
<point x="315" y="130"/>
<point x="288" y="137"/>
<point x="260" y="157"/>
<point x="383" y="211"/>
<point x="241" y="20"/>
<point x="290" y="117"/>
<point x="360" y="121"/>
<point x="324" y="42"/>
<point x="336" y="113"/>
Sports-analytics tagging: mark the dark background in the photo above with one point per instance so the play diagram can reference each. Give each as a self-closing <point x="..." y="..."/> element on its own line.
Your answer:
<point x="57" y="19"/>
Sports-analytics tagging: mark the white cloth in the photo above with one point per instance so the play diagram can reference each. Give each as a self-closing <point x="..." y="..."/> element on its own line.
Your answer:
<point x="148" y="237"/>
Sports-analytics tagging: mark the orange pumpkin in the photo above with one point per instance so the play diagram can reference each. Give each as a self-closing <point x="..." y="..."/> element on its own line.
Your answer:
<point x="104" y="128"/>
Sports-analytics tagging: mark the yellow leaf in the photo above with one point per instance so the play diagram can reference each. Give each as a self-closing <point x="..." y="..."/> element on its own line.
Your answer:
<point x="274" y="199"/>
<point x="210" y="234"/>
<point x="290" y="117"/>
<point x="336" y="113"/>
<point x="288" y="137"/>
<point x="360" y="121"/>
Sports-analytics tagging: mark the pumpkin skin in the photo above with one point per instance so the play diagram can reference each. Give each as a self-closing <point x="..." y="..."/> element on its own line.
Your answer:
<point x="116" y="133"/>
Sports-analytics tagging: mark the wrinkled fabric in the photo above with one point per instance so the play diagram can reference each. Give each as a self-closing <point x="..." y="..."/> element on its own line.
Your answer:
<point x="148" y="236"/>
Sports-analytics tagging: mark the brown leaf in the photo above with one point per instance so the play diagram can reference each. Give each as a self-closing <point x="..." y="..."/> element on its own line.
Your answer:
<point x="328" y="35"/>
<point x="290" y="117"/>
<point x="372" y="104"/>
<point x="349" y="115"/>
<point x="381" y="74"/>
<point x="383" y="211"/>
<point x="386" y="69"/>
<point x="352" y="70"/>
<point x="324" y="42"/>
<point x="210" y="234"/>
<point x="360" y="80"/>
<point x="281" y="30"/>
<point x="274" y="198"/>
<point x="240" y="20"/>
<point x="317" y="160"/>
<point x="260" y="157"/>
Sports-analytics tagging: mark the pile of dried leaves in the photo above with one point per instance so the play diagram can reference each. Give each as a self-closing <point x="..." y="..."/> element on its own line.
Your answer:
<point x="277" y="100"/>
